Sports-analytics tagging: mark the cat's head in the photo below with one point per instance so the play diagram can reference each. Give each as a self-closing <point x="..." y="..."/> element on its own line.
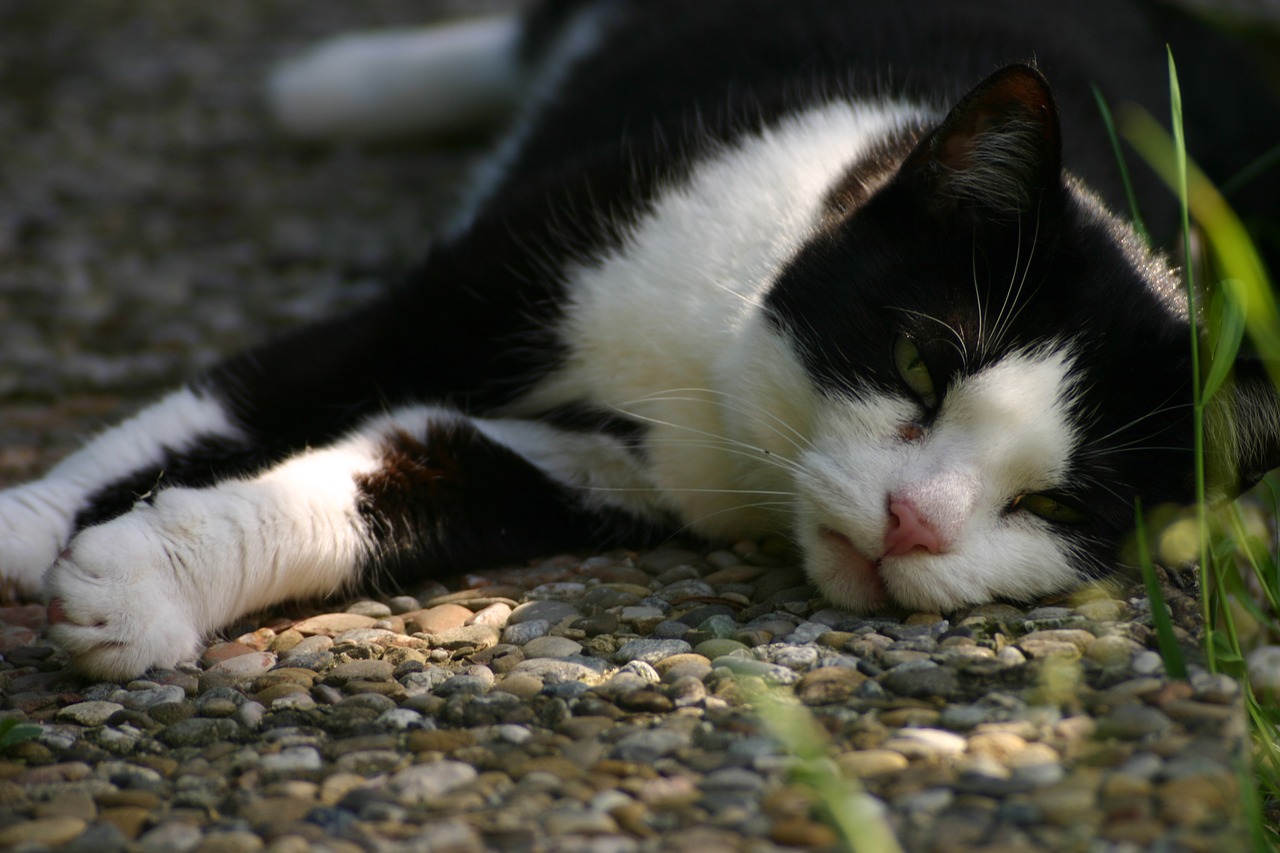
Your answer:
<point x="1001" y="369"/>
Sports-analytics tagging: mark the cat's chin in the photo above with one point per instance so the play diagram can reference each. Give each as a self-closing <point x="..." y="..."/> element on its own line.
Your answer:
<point x="850" y="578"/>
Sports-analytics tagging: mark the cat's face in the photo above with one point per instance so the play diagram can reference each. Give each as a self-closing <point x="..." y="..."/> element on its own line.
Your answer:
<point x="998" y="371"/>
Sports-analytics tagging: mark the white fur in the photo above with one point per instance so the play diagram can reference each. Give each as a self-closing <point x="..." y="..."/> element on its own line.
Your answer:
<point x="36" y="519"/>
<point x="657" y="328"/>
<point x="430" y="80"/>
<point x="1000" y="433"/>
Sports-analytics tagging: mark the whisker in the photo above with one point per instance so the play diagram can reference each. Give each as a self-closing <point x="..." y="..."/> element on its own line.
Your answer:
<point x="660" y="396"/>
<point x="695" y="431"/>
<point x="779" y="462"/>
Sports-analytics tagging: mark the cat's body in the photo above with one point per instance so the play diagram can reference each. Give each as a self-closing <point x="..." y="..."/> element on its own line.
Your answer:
<point x="742" y="268"/>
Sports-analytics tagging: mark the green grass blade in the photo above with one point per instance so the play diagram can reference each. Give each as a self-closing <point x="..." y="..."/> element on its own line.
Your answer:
<point x="1174" y="663"/>
<point x="1228" y="313"/>
<point x="854" y="814"/>
<point x="1109" y="121"/>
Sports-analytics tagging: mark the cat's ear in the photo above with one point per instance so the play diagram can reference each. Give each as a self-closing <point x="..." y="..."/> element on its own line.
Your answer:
<point x="1250" y="425"/>
<point x="997" y="152"/>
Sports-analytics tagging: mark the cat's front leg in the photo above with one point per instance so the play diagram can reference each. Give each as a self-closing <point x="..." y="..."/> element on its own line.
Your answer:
<point x="419" y="491"/>
<point x="145" y="588"/>
<point x="103" y="478"/>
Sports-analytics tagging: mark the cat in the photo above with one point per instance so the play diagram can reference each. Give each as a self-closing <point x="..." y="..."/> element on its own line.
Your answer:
<point x="849" y="272"/>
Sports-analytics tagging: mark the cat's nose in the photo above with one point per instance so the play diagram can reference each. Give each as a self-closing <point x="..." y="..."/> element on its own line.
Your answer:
<point x="909" y="531"/>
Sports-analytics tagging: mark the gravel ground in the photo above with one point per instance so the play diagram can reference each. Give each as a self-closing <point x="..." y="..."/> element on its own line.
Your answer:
<point x="150" y="221"/>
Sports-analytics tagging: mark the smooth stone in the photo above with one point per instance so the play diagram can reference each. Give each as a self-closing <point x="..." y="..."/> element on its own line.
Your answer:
<point x="551" y="647"/>
<point x="678" y="666"/>
<point x="1147" y="663"/>
<point x="549" y="609"/>
<point x="714" y="648"/>
<point x="361" y="670"/>
<point x="798" y="657"/>
<point x="920" y="679"/>
<point x="442" y="617"/>
<point x="376" y="609"/>
<point x="1114" y="651"/>
<point x="215" y="706"/>
<point x="175" y="836"/>
<point x="524" y="686"/>
<point x="770" y="673"/>
<point x="523" y="632"/>
<point x="650" y="651"/>
<point x="402" y="604"/>
<point x="220" y="652"/>
<point x="143" y="700"/>
<point x="421" y="784"/>
<point x="1263" y="664"/>
<point x="1133" y="722"/>
<point x="1058" y="642"/>
<point x="332" y="624"/>
<point x="401" y="719"/>
<point x="598" y="624"/>
<point x="473" y="637"/>
<point x="641" y="613"/>
<point x="50" y="831"/>
<point x="925" y="743"/>
<point x="865" y="763"/>
<point x="198" y="731"/>
<point x="94" y="713"/>
<point x="828" y="685"/>
<point x="560" y="671"/>
<point x="648" y="745"/>
<point x="310" y="645"/>
<point x="586" y="822"/>
<point x="244" y="666"/>
<point x="496" y="614"/>
<point x="296" y="759"/>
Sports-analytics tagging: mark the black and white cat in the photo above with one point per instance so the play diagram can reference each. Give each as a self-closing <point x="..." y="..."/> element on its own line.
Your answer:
<point x="825" y="268"/>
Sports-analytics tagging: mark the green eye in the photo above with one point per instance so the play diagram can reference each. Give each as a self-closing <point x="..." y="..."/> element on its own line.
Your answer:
<point x="912" y="369"/>
<point x="1049" y="509"/>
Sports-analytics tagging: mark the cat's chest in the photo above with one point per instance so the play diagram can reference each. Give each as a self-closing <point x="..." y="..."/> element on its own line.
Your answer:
<point x="665" y="329"/>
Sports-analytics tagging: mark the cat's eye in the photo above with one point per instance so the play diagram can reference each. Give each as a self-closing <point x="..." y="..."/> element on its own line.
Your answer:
<point x="914" y="372"/>
<point x="1050" y="509"/>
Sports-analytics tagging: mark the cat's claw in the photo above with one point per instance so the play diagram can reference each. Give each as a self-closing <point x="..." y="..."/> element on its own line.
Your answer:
<point x="116" y="604"/>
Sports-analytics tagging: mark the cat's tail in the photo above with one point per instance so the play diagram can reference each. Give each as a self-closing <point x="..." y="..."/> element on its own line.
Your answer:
<point x="445" y="79"/>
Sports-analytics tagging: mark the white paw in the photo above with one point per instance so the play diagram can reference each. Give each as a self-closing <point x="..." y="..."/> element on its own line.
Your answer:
<point x="119" y="601"/>
<point x="35" y="524"/>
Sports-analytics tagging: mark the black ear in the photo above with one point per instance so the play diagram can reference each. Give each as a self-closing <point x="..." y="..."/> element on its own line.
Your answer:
<point x="1252" y="425"/>
<point x="998" y="151"/>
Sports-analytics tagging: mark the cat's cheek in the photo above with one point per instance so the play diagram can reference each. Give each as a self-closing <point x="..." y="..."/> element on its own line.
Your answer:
<point x="844" y="575"/>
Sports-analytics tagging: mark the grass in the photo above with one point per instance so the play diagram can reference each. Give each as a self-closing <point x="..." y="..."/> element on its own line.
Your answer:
<point x="1240" y="576"/>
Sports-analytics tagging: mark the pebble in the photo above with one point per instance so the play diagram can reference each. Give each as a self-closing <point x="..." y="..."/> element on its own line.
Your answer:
<point x="548" y="610"/>
<point x="551" y="647"/>
<point x="95" y="713"/>
<point x="650" y="651"/>
<point x="423" y="784"/>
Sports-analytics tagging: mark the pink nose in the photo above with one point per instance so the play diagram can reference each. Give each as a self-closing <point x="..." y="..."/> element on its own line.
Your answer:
<point x="909" y="531"/>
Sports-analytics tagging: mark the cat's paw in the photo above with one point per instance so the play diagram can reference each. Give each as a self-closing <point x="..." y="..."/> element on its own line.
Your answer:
<point x="35" y="524"/>
<point x="119" y="601"/>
